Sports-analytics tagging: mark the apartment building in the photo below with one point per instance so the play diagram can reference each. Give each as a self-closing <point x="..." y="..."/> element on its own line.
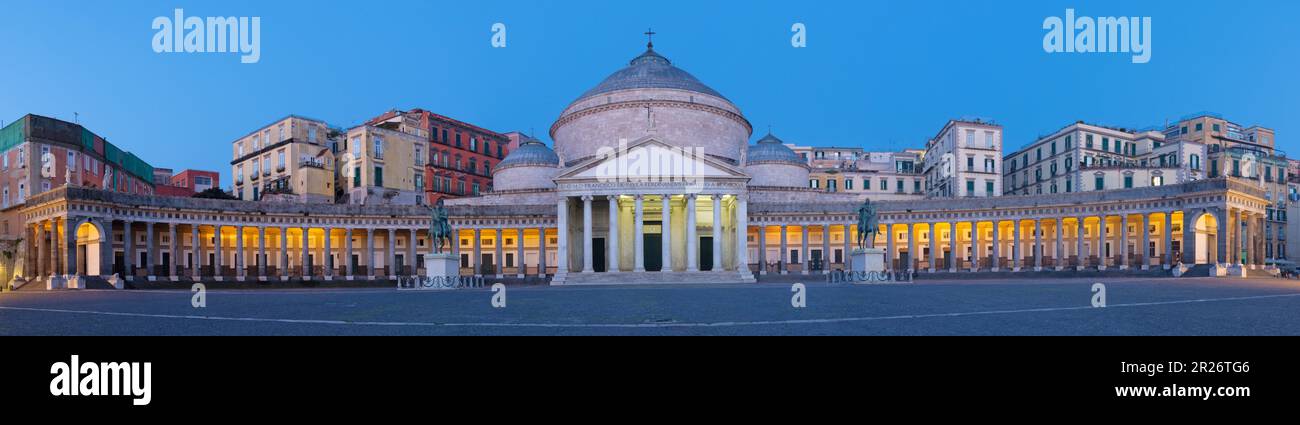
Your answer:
<point x="875" y="175"/>
<point x="964" y="160"/>
<point x="380" y="166"/>
<point x="292" y="157"/>
<point x="460" y="156"/>
<point x="1089" y="157"/>
<point x="1243" y="153"/>
<point x="39" y="153"/>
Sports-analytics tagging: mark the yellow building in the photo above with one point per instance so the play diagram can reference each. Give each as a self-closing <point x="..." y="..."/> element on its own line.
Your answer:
<point x="382" y="166"/>
<point x="291" y="158"/>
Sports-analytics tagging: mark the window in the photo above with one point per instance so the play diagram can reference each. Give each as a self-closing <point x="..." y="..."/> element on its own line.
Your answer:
<point x="379" y="148"/>
<point x="279" y="160"/>
<point x="866" y="184"/>
<point x="311" y="134"/>
<point x="814" y="183"/>
<point x="848" y="184"/>
<point x="1099" y="183"/>
<point x="1199" y="127"/>
<point x="1105" y="143"/>
<point x="1069" y="163"/>
<point x="988" y="139"/>
<point x="884" y="184"/>
<point x="1067" y="143"/>
<point x="473" y="143"/>
<point x="356" y="176"/>
<point x="988" y="187"/>
<point x="239" y="150"/>
<point x="916" y="186"/>
<point x="1157" y="180"/>
<point x="1215" y="127"/>
<point x="1088" y="141"/>
<point x="1128" y="182"/>
<point x="419" y="180"/>
<point x="970" y="163"/>
<point x="830" y="185"/>
<point x="1195" y="162"/>
<point x="1068" y="187"/>
<point x="355" y="146"/>
<point x="970" y="188"/>
<point x="458" y="139"/>
<point x="379" y="176"/>
<point x="898" y="186"/>
<point x="419" y="156"/>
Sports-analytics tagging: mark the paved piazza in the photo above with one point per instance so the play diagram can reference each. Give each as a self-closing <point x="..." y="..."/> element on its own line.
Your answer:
<point x="1189" y="306"/>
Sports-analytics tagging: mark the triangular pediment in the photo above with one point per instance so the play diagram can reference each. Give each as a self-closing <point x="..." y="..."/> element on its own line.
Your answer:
<point x="648" y="159"/>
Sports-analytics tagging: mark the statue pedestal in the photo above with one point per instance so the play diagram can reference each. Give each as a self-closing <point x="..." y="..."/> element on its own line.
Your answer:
<point x="868" y="260"/>
<point x="441" y="265"/>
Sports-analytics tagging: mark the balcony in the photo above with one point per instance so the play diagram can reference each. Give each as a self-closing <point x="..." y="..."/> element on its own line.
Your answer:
<point x="312" y="163"/>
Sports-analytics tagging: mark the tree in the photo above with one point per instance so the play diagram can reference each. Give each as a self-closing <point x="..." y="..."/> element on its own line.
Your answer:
<point x="214" y="193"/>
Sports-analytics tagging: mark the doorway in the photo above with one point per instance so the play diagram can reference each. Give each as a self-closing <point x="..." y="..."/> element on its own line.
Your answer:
<point x="598" y="255"/>
<point x="706" y="253"/>
<point x="653" y="251"/>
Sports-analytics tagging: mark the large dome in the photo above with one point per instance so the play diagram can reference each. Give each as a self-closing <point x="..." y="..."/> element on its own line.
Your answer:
<point x="651" y="98"/>
<point x="771" y="163"/>
<point x="530" y="166"/>
<point x="773" y="150"/>
<point x="650" y="71"/>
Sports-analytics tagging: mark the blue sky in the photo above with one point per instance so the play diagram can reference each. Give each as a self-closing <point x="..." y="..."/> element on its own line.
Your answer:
<point x="881" y="75"/>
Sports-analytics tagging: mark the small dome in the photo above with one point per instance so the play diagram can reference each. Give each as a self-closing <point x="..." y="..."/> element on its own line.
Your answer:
<point x="770" y="149"/>
<point x="650" y="71"/>
<point x="531" y="153"/>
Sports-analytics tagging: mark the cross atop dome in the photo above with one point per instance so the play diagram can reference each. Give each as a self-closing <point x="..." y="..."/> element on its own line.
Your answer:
<point x="650" y="37"/>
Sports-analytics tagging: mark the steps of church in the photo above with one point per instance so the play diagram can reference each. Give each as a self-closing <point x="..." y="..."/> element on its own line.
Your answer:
<point x="650" y="278"/>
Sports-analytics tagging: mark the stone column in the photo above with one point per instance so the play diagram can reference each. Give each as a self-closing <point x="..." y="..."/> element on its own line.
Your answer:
<point x="1082" y="261"/>
<point x="1223" y="255"/>
<point x="1167" y="249"/>
<point x="826" y="248"/>
<point x="261" y="252"/>
<point x="692" y="240"/>
<point x="1060" y="244"/>
<point x="391" y="253"/>
<point x="586" y="235"/>
<point x="1038" y="245"/>
<point x="218" y="252"/>
<point x="171" y="250"/>
<point x="196" y="252"/>
<point x="667" y="234"/>
<point x="611" y="242"/>
<point x="1016" y="258"/>
<point x="911" y="248"/>
<point x="562" y="237"/>
<point x="478" y="252"/>
<point x="541" y="252"/>
<point x="306" y="252"/>
<point x="997" y="246"/>
<point x="742" y="237"/>
<point x="717" y="232"/>
<point x="70" y="247"/>
<point x="1101" y="243"/>
<point x="803" y="249"/>
<point x="638" y="241"/>
<point x="370" y="252"/>
<point x="38" y="246"/>
<point x="349" y="268"/>
<point x="934" y="246"/>
<point x="1144" y="249"/>
<point x="977" y="246"/>
<point x="521" y="266"/>
<point x="762" y="250"/>
<point x="499" y="257"/>
<point x="239" y="253"/>
<point x="127" y="256"/>
<point x="1123" y="242"/>
<point x="148" y="251"/>
<point x="329" y="253"/>
<point x="785" y="251"/>
<point x="954" y="243"/>
<point x="848" y="236"/>
<point x="284" y="254"/>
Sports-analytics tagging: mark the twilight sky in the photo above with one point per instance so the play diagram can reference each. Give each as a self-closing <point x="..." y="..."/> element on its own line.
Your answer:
<point x="877" y="74"/>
